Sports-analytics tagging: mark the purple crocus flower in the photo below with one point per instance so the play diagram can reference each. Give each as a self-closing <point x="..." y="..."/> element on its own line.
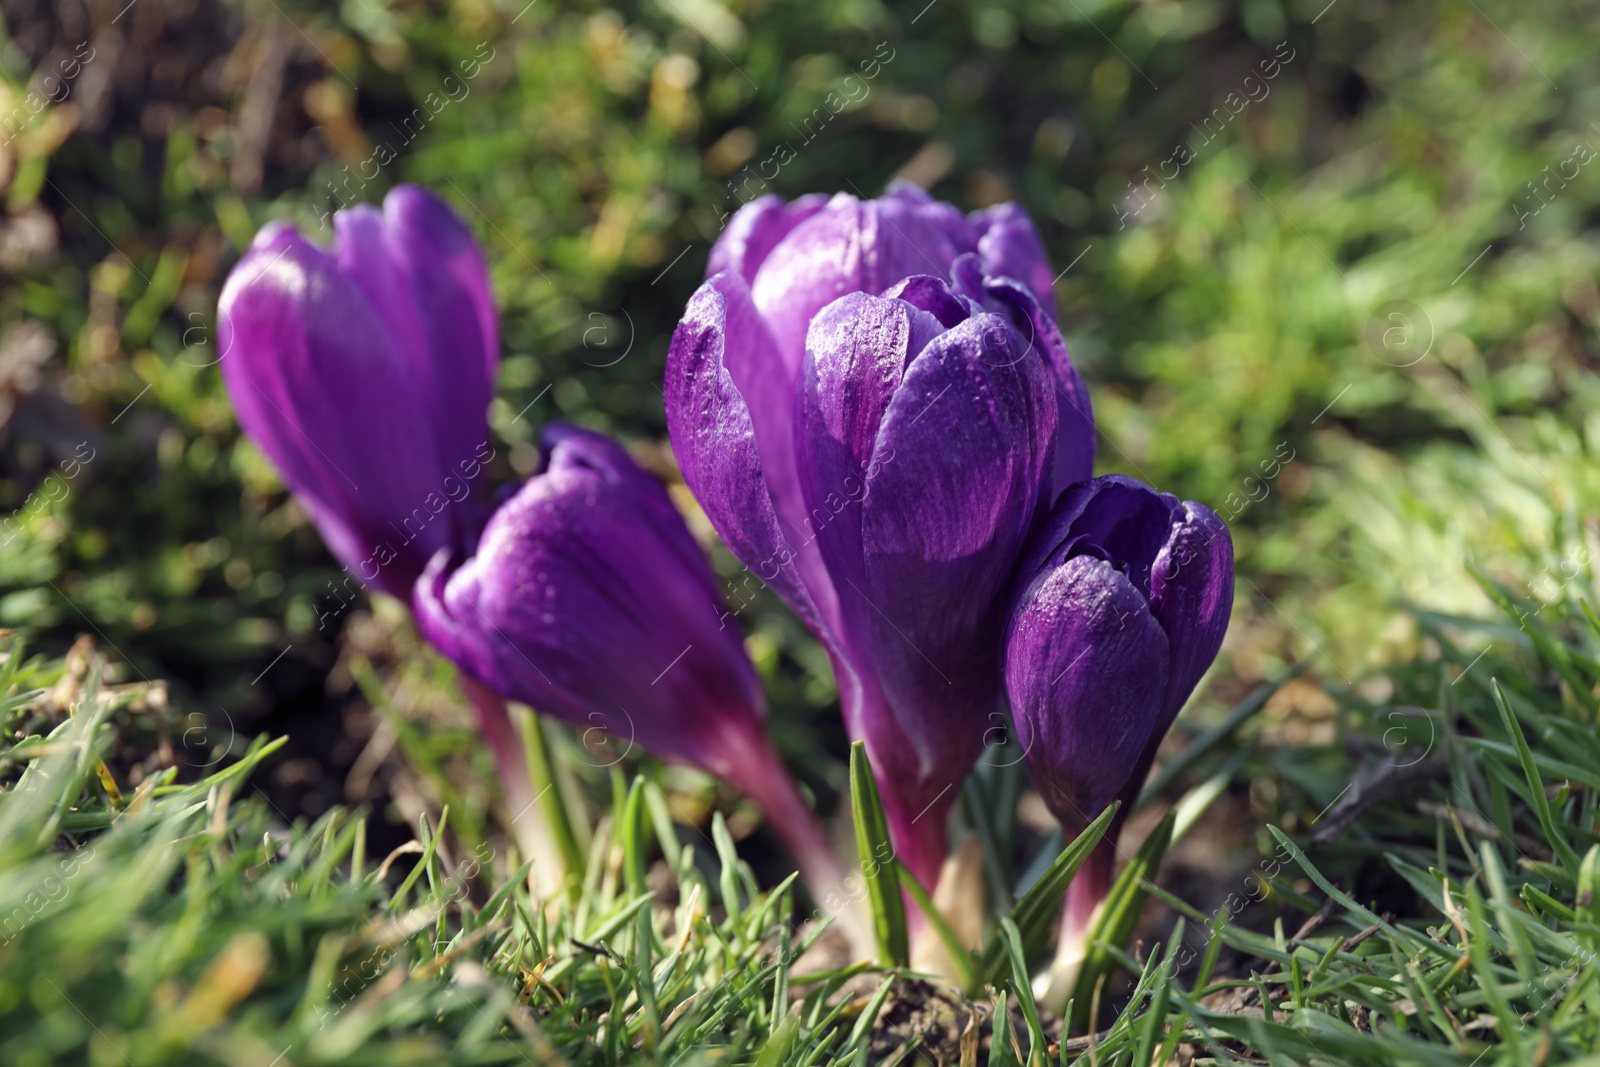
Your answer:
<point x="365" y="372"/>
<point x="588" y="599"/>
<point x="886" y="486"/>
<point x="1123" y="603"/>
<point x="799" y="257"/>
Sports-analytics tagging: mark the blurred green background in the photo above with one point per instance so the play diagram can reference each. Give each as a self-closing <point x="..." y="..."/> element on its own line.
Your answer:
<point x="1328" y="267"/>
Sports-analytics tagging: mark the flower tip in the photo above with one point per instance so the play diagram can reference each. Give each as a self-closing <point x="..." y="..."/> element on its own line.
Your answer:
<point x="907" y="190"/>
<point x="275" y="235"/>
<point x="565" y="445"/>
<point x="414" y="209"/>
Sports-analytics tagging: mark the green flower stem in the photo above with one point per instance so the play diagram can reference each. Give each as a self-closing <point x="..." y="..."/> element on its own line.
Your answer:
<point x="532" y="831"/>
<point x="547" y="791"/>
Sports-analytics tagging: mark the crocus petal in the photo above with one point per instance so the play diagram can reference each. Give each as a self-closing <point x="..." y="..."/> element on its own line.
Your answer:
<point x="755" y="230"/>
<point x="366" y="252"/>
<point x="365" y="374"/>
<point x="930" y="210"/>
<point x="933" y="296"/>
<point x="1009" y="297"/>
<point x="1086" y="669"/>
<point x="856" y="356"/>
<point x="1011" y="247"/>
<point x="1113" y="516"/>
<point x="1177" y="557"/>
<point x="918" y="604"/>
<point x="849" y="246"/>
<point x="589" y="599"/>
<point x="320" y="383"/>
<point x="726" y="456"/>
<point x="956" y="482"/>
<point x="422" y="270"/>
<point x="1191" y="595"/>
<point x="1124" y="599"/>
<point x="456" y="304"/>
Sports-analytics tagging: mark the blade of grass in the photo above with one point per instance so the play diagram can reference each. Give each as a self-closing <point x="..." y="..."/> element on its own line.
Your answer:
<point x="1541" y="802"/>
<point x="1038" y="907"/>
<point x="864" y="1021"/>
<point x="1114" y="925"/>
<point x="874" y="847"/>
<point x="1022" y="985"/>
<point x="547" y="788"/>
<point x="1155" y="1017"/>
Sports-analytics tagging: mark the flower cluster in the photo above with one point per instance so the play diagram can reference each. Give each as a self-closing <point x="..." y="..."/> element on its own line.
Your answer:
<point x="875" y="407"/>
<point x="365" y="373"/>
<point x="873" y="404"/>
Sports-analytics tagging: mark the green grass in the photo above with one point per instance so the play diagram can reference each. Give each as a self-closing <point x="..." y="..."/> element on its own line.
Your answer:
<point x="186" y="922"/>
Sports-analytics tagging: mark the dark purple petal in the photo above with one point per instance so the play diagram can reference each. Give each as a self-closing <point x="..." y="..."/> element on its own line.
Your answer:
<point x="589" y="600"/>
<point x="321" y="384"/>
<point x="851" y="246"/>
<point x="1191" y="595"/>
<point x="1114" y="517"/>
<point x="1086" y="670"/>
<point x="755" y="230"/>
<point x="723" y="374"/>
<point x="957" y="478"/>
<point x="1011" y="247"/>
<point x="933" y="296"/>
<point x="1173" y="568"/>
<point x="856" y="355"/>
<point x="1007" y="296"/>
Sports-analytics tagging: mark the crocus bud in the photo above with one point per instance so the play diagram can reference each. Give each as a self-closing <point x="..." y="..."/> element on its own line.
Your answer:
<point x="588" y="599"/>
<point x="365" y="372"/>
<point x="886" y="498"/>
<point x="1123" y="603"/>
<point x="798" y="258"/>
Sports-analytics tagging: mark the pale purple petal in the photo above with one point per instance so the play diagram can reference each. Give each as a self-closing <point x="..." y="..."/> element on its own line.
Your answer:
<point x="755" y="229"/>
<point x="726" y="456"/>
<point x="928" y="209"/>
<point x="856" y="354"/>
<point x="422" y="270"/>
<point x="850" y="246"/>
<point x="322" y="386"/>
